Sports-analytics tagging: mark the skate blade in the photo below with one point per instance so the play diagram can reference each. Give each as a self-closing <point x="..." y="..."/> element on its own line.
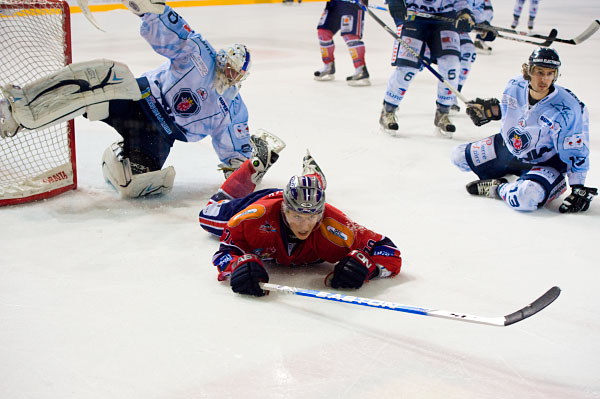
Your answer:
<point x="325" y="78"/>
<point x="359" y="83"/>
<point x="393" y="133"/>
<point x="444" y="133"/>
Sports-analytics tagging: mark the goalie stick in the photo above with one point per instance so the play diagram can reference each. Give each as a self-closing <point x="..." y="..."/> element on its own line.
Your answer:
<point x="422" y="60"/>
<point x="501" y="321"/>
<point x="586" y="34"/>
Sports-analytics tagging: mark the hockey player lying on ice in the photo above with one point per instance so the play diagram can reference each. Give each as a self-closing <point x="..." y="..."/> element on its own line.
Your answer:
<point x="544" y="137"/>
<point x="293" y="226"/>
<point x="194" y="94"/>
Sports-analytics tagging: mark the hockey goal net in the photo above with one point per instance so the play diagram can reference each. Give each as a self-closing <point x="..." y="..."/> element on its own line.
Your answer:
<point x="35" y="41"/>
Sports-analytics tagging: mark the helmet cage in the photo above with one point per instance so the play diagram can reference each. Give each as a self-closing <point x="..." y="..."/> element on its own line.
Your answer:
<point x="304" y="194"/>
<point x="233" y="65"/>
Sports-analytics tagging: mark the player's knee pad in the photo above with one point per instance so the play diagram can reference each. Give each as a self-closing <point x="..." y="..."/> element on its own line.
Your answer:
<point x="523" y="195"/>
<point x="325" y="35"/>
<point x="116" y="169"/>
<point x="459" y="158"/>
<point x="69" y="92"/>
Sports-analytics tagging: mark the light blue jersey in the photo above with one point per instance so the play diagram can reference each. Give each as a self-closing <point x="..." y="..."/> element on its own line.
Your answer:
<point x="184" y="86"/>
<point x="557" y="124"/>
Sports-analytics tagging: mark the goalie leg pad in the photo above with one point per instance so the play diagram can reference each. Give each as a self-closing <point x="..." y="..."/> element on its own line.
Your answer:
<point x="67" y="93"/>
<point x="116" y="169"/>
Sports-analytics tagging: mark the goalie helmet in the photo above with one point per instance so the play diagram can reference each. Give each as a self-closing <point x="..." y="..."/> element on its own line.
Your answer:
<point x="304" y="194"/>
<point x="544" y="57"/>
<point x="232" y="65"/>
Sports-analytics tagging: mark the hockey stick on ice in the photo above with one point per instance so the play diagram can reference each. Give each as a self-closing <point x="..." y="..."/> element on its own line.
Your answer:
<point x="422" y="60"/>
<point x="586" y="34"/>
<point x="501" y="321"/>
<point x="547" y="43"/>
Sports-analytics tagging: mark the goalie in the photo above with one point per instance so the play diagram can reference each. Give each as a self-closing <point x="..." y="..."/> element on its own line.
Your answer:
<point x="543" y="139"/>
<point x="194" y="94"/>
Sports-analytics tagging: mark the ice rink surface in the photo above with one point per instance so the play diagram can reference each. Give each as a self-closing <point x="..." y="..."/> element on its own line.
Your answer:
<point x="106" y="298"/>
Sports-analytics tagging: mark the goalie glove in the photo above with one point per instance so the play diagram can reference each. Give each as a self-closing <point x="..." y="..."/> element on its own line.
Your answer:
<point x="141" y="7"/>
<point x="579" y="199"/>
<point x="482" y="111"/>
<point x="352" y="271"/>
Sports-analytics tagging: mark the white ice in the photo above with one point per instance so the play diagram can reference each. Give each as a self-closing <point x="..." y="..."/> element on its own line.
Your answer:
<point x="106" y="298"/>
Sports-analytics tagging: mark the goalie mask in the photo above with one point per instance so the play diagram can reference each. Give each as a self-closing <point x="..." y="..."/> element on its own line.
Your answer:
<point x="304" y="194"/>
<point x="542" y="57"/>
<point x="232" y="67"/>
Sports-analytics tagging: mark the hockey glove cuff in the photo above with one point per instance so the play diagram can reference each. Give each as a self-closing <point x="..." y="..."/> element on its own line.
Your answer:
<point x="579" y="199"/>
<point x="482" y="111"/>
<point x="353" y="270"/>
<point x="247" y="272"/>
<point x="397" y="11"/>
<point x="489" y="34"/>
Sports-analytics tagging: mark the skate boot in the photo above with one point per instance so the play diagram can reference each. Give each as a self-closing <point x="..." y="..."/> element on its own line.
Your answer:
<point x="265" y="152"/>
<point x="8" y="125"/>
<point x="360" y="77"/>
<point x="310" y="166"/>
<point x="482" y="47"/>
<point x="388" y="120"/>
<point x="327" y="72"/>
<point x="486" y="188"/>
<point x="515" y="22"/>
<point x="530" y="24"/>
<point x="443" y="123"/>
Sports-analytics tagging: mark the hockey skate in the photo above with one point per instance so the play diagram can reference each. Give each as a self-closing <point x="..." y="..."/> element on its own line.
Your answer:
<point x="327" y="72"/>
<point x="530" y="24"/>
<point x="486" y="188"/>
<point x="310" y="166"/>
<point x="482" y="48"/>
<point x="8" y="125"/>
<point x="515" y="22"/>
<point x="360" y="77"/>
<point x="444" y="124"/>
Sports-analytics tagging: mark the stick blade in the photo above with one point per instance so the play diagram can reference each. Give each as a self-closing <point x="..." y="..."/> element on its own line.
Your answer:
<point x="533" y="308"/>
<point x="593" y="28"/>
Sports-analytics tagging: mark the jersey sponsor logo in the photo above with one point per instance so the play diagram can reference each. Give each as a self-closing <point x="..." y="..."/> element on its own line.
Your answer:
<point x="267" y="228"/>
<point x="510" y="101"/>
<point x="546" y="121"/>
<point x="254" y="211"/>
<point x="199" y="64"/>
<point x="518" y="140"/>
<point x="483" y="151"/>
<point x="223" y="105"/>
<point x="347" y="23"/>
<point x="522" y="123"/>
<point x="185" y="103"/>
<point x="337" y="233"/>
<point x="574" y="142"/>
<point x="450" y="40"/>
<point x="202" y="93"/>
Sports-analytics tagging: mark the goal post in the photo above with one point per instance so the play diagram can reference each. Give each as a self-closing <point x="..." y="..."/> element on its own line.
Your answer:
<point x="35" y="41"/>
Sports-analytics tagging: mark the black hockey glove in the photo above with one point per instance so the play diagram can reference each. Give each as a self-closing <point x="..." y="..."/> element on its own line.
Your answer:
<point x="352" y="271"/>
<point x="397" y="11"/>
<point x="247" y="272"/>
<point x="483" y="111"/>
<point x="464" y="21"/>
<point x="579" y="199"/>
<point x="487" y="35"/>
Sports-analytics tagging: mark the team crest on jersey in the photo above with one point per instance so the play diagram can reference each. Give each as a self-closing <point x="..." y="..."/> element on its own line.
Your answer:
<point x="185" y="103"/>
<point x="518" y="140"/>
<point x="200" y="65"/>
<point x="203" y="93"/>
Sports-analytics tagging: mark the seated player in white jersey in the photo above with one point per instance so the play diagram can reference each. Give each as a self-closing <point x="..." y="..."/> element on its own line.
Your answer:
<point x="194" y="94"/>
<point x="543" y="140"/>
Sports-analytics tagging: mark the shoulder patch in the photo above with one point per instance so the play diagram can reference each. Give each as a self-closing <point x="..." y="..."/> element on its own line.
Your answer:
<point x="337" y="233"/>
<point x="254" y="211"/>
